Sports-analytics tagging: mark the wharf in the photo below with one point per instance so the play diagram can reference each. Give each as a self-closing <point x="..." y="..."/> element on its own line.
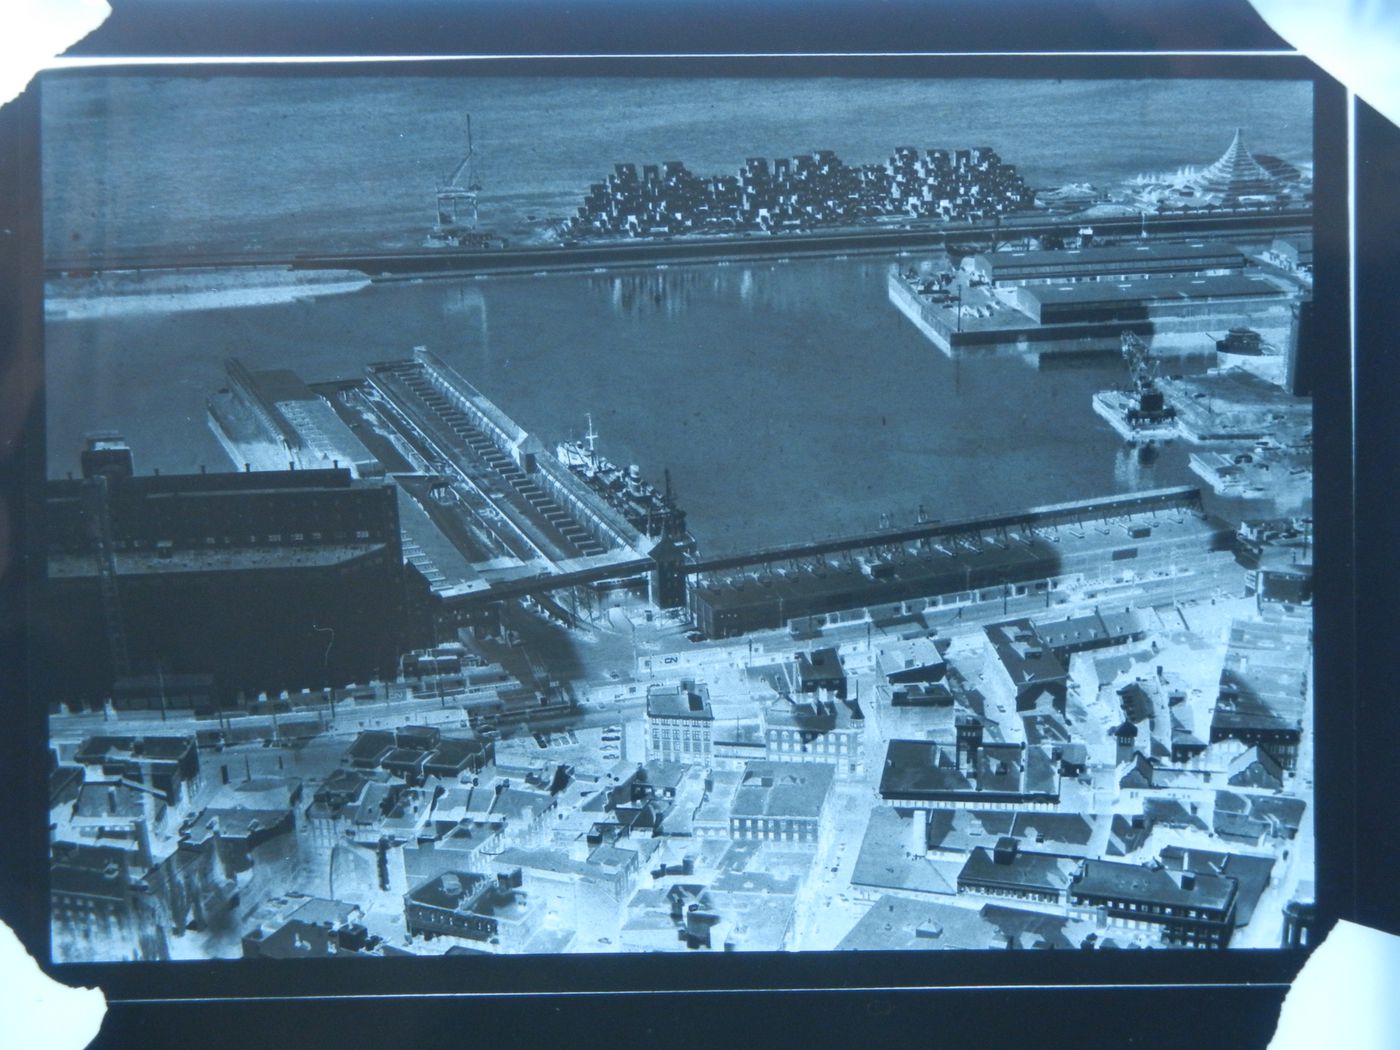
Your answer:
<point x="1234" y="404"/>
<point x="1284" y="475"/>
<point x="1113" y="406"/>
<point x="1088" y="317"/>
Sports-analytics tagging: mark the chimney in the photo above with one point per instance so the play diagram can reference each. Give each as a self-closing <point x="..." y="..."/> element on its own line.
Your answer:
<point x="1188" y="880"/>
<point x="1005" y="850"/>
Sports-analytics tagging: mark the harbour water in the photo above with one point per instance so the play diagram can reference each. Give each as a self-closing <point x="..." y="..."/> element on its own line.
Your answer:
<point x="788" y="400"/>
<point x="305" y="163"/>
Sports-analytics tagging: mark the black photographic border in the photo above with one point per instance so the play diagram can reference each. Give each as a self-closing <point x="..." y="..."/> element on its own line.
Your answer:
<point x="878" y="972"/>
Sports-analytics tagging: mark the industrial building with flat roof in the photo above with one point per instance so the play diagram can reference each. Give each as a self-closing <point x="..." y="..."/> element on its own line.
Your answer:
<point x="1264" y="686"/>
<point x="926" y="774"/>
<point x="781" y="801"/>
<point x="271" y="420"/>
<point x="1176" y="313"/>
<point x="242" y="576"/>
<point x="1189" y="908"/>
<point x="1137" y="300"/>
<point x="679" y="723"/>
<point x="1005" y="560"/>
<point x="1119" y="261"/>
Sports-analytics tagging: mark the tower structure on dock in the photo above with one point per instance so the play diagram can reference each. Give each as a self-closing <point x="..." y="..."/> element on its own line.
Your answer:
<point x="457" y="196"/>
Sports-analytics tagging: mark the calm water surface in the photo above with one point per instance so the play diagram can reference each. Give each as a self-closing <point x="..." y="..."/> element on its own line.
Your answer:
<point x="788" y="400"/>
<point x="311" y="163"/>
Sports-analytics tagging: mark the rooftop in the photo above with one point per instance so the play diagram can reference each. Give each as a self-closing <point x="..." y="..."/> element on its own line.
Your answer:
<point x="237" y="823"/>
<point x="925" y="769"/>
<point x="1113" y="258"/>
<point x="917" y="659"/>
<point x="1044" y="871"/>
<point x="1150" y="290"/>
<point x="820" y="665"/>
<point x="1029" y="544"/>
<point x="454" y="753"/>
<point x="811" y="717"/>
<point x="902" y="924"/>
<point x="115" y="799"/>
<point x="783" y="789"/>
<point x="1097" y="628"/>
<point x="152" y="748"/>
<point x="1133" y="882"/>
<point x="886" y="862"/>
<point x="454" y="890"/>
<point x="370" y="746"/>
<point x="97" y="871"/>
<point x="1264" y="681"/>
<point x="214" y="559"/>
<point x="687" y="700"/>
<point x="1252" y="873"/>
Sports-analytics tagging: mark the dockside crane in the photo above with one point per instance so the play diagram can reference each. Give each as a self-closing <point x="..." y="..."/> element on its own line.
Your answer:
<point x="1142" y="366"/>
<point x="457" y="197"/>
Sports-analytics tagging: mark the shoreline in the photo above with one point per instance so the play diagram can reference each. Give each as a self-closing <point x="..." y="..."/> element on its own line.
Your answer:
<point x="129" y="292"/>
<point x="391" y="264"/>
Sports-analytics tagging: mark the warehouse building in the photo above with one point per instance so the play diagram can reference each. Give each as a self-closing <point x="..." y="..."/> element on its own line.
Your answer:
<point x="246" y="577"/>
<point x="1011" y="564"/>
<point x="1113" y="262"/>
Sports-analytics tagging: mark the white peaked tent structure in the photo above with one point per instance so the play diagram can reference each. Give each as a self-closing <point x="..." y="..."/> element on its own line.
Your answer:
<point x="1235" y="175"/>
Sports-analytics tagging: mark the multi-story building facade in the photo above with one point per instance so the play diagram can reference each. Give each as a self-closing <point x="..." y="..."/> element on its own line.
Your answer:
<point x="1185" y="908"/>
<point x="680" y="723"/>
<point x="161" y="574"/>
<point x="828" y="731"/>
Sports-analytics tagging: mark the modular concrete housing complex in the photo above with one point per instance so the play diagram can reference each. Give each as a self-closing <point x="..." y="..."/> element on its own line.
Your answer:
<point x="1159" y="539"/>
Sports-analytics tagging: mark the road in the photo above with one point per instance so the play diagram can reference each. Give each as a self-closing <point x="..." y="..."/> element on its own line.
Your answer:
<point x="564" y="257"/>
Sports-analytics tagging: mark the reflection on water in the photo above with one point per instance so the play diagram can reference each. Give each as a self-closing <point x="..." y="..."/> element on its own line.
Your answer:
<point x="1133" y="467"/>
<point x="464" y="307"/>
<point x="663" y="292"/>
<point x="670" y="292"/>
<point x="787" y="400"/>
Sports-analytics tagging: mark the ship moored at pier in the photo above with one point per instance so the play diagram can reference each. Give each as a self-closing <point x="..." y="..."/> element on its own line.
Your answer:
<point x="651" y="512"/>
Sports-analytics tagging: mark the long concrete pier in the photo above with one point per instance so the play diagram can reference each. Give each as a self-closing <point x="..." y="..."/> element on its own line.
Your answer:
<point x="448" y="262"/>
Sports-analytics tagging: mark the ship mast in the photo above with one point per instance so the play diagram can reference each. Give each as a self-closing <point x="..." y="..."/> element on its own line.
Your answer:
<point x="592" y="435"/>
